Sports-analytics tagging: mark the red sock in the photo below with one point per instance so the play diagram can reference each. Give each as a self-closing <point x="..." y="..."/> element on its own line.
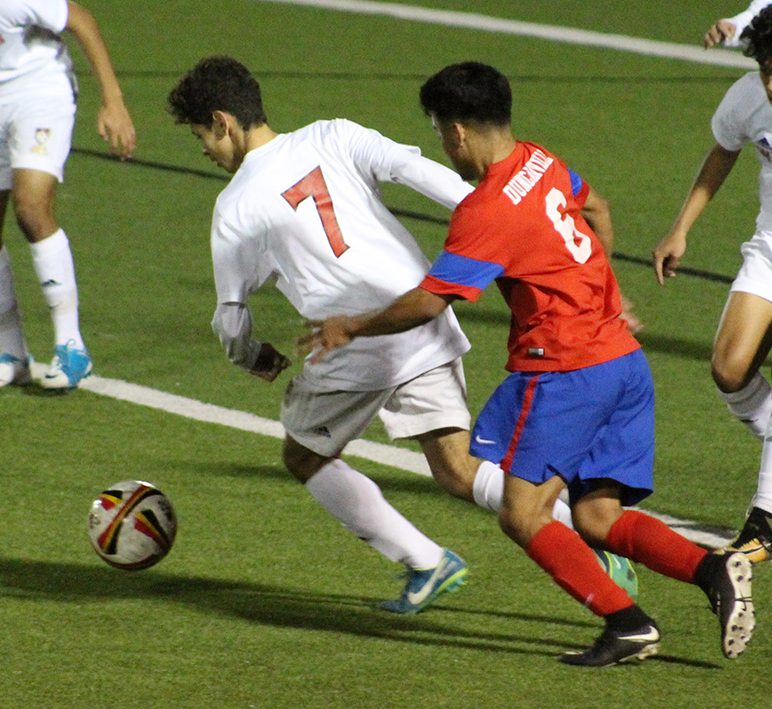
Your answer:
<point x="642" y="538"/>
<point x="574" y="567"/>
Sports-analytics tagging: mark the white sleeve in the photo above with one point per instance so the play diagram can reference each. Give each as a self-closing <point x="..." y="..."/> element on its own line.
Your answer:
<point x="232" y="323"/>
<point x="726" y="123"/>
<point x="742" y="20"/>
<point x="240" y="266"/>
<point x="389" y="161"/>
<point x="51" y="14"/>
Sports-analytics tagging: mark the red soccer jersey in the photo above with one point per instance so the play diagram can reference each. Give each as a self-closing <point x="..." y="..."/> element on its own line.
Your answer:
<point x="522" y="227"/>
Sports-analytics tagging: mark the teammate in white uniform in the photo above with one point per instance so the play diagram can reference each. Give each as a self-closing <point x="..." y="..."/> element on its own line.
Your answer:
<point x="728" y="31"/>
<point x="37" y="110"/>
<point x="304" y="210"/>
<point x="743" y="340"/>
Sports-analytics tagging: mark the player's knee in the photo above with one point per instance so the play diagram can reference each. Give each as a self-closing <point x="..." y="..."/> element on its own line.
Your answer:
<point x="593" y="522"/>
<point x="34" y="215"/>
<point x="521" y="525"/>
<point x="300" y="461"/>
<point x="730" y="373"/>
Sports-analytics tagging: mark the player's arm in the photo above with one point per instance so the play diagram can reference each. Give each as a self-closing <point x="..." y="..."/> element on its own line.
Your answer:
<point x="727" y="31"/>
<point x="431" y="179"/>
<point x="232" y="323"/>
<point x="388" y="161"/>
<point x="113" y="122"/>
<point x="715" y="168"/>
<point x="414" y="308"/>
<point x="597" y="214"/>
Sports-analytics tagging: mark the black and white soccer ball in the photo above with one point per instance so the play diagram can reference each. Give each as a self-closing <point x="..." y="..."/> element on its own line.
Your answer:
<point x="132" y="525"/>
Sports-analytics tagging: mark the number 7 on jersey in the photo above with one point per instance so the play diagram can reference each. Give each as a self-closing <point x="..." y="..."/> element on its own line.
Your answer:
<point x="313" y="185"/>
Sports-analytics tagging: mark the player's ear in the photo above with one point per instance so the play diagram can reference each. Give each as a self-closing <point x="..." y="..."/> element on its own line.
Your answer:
<point x="220" y="124"/>
<point x="458" y="133"/>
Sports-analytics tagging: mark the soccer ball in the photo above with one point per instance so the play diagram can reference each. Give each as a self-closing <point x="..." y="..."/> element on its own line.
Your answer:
<point x="132" y="525"/>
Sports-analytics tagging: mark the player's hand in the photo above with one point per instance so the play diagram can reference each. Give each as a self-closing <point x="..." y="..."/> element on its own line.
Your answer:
<point x="634" y="324"/>
<point x="720" y="33"/>
<point x="269" y="363"/>
<point x="667" y="256"/>
<point x="324" y="336"/>
<point x="115" y="126"/>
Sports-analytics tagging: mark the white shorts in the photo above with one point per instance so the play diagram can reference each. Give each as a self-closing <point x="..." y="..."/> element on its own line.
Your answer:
<point x="35" y="134"/>
<point x="755" y="275"/>
<point x="325" y="421"/>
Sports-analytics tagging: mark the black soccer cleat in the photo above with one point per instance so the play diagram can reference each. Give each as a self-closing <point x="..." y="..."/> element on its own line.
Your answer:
<point x="615" y="646"/>
<point x="729" y="592"/>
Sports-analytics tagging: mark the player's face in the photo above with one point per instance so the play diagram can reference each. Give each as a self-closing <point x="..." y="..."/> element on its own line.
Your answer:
<point x="765" y="70"/>
<point x="455" y="149"/>
<point x="218" y="147"/>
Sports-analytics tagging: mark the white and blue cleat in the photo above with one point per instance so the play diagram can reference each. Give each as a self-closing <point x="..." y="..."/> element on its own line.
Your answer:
<point x="424" y="586"/>
<point x="68" y="368"/>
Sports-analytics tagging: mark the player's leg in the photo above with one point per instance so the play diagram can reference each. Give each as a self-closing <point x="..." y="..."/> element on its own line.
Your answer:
<point x="742" y="343"/>
<point x="755" y="538"/>
<point x="39" y="146"/>
<point x="33" y="197"/>
<point x="743" y="338"/>
<point x="318" y="425"/>
<point x="432" y="410"/>
<point x="617" y="471"/>
<point x="526" y="518"/>
<point x="14" y="358"/>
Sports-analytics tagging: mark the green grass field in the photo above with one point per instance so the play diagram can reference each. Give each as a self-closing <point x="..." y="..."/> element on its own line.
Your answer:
<point x="265" y="601"/>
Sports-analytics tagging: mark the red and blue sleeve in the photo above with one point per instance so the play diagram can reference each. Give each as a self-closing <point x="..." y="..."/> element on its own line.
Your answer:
<point x="454" y="274"/>
<point x="579" y="188"/>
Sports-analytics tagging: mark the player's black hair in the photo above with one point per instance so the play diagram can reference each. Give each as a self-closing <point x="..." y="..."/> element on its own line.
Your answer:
<point x="757" y="37"/>
<point x="469" y="91"/>
<point x="217" y="84"/>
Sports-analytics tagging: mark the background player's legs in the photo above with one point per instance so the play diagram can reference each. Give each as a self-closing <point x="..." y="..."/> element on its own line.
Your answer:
<point x="34" y="193"/>
<point x="14" y="368"/>
<point x="742" y="343"/>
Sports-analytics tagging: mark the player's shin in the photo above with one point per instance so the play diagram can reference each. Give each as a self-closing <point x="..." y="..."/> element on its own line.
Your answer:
<point x="357" y="502"/>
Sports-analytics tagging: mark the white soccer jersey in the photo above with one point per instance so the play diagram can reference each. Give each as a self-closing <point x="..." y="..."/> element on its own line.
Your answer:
<point x="745" y="116"/>
<point x="29" y="41"/>
<point x="305" y="210"/>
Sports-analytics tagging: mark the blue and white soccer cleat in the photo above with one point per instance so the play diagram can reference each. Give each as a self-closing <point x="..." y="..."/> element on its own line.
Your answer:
<point x="68" y="368"/>
<point x="424" y="586"/>
<point x="620" y="570"/>
<point x="14" y="370"/>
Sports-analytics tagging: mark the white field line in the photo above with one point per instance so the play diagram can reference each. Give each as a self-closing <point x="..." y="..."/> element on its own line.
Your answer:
<point x="485" y="23"/>
<point x="375" y="452"/>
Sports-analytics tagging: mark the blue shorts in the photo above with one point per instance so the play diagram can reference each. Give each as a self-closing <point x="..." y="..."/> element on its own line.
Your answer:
<point x="596" y="422"/>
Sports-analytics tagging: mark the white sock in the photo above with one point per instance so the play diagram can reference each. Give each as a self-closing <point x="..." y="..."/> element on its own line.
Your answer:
<point x="357" y="502"/>
<point x="763" y="496"/>
<point x="488" y="492"/>
<point x="488" y="486"/>
<point x="752" y="404"/>
<point x="11" y="337"/>
<point x="53" y="264"/>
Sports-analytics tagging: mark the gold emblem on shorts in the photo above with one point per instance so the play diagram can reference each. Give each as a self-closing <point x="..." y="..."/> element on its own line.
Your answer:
<point x="42" y="136"/>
